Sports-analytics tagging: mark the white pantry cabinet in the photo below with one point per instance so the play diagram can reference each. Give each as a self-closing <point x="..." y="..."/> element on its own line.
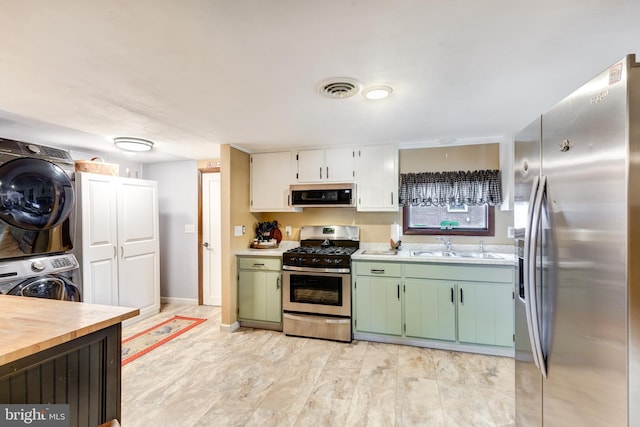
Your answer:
<point x="377" y="178"/>
<point x="271" y="175"/>
<point x="118" y="241"/>
<point x="325" y="165"/>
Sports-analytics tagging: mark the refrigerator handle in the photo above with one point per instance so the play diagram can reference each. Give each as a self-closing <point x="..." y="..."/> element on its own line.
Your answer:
<point x="528" y="264"/>
<point x="533" y="296"/>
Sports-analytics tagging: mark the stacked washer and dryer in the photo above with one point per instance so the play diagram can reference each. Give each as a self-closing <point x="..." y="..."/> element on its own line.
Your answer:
<point x="36" y="221"/>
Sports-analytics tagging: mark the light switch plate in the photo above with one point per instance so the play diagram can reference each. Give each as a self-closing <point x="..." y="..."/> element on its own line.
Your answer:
<point x="189" y="228"/>
<point x="238" y="230"/>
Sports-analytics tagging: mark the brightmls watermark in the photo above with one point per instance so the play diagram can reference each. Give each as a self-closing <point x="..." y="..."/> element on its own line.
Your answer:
<point x="54" y="415"/>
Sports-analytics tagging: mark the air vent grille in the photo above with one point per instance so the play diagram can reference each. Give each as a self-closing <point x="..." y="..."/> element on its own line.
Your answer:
<point x="339" y="87"/>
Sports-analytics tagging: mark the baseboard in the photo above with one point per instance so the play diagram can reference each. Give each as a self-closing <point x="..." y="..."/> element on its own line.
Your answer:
<point x="183" y="301"/>
<point x="230" y="328"/>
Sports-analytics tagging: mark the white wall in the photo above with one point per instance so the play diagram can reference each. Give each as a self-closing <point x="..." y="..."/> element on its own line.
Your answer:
<point x="178" y="206"/>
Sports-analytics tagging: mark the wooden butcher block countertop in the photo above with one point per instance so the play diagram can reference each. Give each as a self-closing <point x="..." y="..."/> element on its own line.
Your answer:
<point x="30" y="325"/>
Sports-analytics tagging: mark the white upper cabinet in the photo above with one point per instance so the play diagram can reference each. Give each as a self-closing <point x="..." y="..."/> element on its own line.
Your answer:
<point x="326" y="165"/>
<point x="377" y="178"/>
<point x="271" y="175"/>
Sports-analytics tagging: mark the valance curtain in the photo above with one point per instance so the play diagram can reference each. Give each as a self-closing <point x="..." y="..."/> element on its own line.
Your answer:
<point x="457" y="188"/>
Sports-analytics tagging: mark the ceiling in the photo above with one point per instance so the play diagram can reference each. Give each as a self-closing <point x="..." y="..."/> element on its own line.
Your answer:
<point x="192" y="74"/>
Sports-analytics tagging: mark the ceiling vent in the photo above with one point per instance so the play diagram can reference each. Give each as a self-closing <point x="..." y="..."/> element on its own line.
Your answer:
<point x="338" y="87"/>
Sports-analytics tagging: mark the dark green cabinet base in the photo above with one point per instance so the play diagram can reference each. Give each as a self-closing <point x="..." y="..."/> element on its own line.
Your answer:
<point x="84" y="373"/>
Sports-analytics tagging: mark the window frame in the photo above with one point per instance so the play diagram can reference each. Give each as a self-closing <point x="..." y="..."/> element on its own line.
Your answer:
<point x="490" y="230"/>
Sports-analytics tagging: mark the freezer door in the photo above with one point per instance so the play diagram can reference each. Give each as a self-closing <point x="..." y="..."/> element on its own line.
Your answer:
<point x="528" y="380"/>
<point x="584" y="276"/>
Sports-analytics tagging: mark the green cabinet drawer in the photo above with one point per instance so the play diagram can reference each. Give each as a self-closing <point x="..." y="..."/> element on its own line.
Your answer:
<point x="259" y="263"/>
<point x="382" y="269"/>
<point x="475" y="273"/>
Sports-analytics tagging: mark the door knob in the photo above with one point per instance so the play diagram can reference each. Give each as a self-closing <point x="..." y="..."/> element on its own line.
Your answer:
<point x="205" y="245"/>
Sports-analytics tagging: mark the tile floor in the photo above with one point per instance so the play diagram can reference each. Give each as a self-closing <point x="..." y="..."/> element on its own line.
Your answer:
<point x="263" y="378"/>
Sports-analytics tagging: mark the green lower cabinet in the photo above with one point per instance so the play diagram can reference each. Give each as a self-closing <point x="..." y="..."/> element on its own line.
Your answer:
<point x="259" y="295"/>
<point x="485" y="313"/>
<point x="378" y="305"/>
<point x="430" y="309"/>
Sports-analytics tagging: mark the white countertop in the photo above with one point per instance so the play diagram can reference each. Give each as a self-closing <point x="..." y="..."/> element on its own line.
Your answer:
<point x="504" y="254"/>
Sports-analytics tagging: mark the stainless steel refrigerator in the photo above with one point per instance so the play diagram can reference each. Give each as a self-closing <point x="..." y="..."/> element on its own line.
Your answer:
<point x="577" y="219"/>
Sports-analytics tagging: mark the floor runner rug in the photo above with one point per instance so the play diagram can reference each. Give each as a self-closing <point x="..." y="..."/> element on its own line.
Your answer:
<point x="142" y="343"/>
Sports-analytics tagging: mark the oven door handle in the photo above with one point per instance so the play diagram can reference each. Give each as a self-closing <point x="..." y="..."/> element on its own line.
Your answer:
<point x="317" y="270"/>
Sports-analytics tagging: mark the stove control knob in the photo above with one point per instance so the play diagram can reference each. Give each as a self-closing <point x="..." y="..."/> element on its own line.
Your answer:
<point x="37" y="266"/>
<point x="327" y="260"/>
<point x="315" y="260"/>
<point x="337" y="261"/>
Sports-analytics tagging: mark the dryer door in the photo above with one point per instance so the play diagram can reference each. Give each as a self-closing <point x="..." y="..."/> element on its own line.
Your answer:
<point x="34" y="194"/>
<point x="49" y="286"/>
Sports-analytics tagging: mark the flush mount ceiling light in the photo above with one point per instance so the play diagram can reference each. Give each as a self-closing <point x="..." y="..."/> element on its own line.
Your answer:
<point x="133" y="144"/>
<point x="338" y="87"/>
<point x="377" y="92"/>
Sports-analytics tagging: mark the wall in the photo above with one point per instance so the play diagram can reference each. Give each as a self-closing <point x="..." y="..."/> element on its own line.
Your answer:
<point x="234" y="186"/>
<point x="374" y="226"/>
<point x="178" y="206"/>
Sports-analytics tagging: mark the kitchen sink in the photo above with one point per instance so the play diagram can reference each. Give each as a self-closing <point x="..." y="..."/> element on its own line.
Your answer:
<point x="430" y="253"/>
<point x="454" y="254"/>
<point x="485" y="255"/>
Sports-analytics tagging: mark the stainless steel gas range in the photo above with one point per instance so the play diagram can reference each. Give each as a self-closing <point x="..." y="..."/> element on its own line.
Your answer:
<point x="317" y="283"/>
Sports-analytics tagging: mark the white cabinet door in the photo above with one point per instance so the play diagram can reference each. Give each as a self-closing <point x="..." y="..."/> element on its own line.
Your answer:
<point x="139" y="246"/>
<point x="98" y="256"/>
<point x="119" y="250"/>
<point x="311" y="166"/>
<point x="339" y="164"/>
<point x="377" y="178"/>
<point x="271" y="175"/>
<point x="330" y="165"/>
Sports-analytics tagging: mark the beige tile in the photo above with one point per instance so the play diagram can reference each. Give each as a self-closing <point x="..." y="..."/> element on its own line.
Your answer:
<point x="464" y="413"/>
<point x="416" y="362"/>
<point x="257" y="377"/>
<point x="323" y="412"/>
<point x="418" y="403"/>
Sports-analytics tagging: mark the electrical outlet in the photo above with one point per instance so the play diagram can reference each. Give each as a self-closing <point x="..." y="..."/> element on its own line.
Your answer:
<point x="189" y="228"/>
<point x="287" y="230"/>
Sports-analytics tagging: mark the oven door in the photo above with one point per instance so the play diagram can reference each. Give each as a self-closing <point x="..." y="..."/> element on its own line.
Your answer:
<point x="317" y="293"/>
<point x="36" y="200"/>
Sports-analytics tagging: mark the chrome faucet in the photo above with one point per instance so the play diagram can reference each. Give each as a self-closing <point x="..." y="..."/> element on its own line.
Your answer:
<point x="481" y="246"/>
<point x="446" y="241"/>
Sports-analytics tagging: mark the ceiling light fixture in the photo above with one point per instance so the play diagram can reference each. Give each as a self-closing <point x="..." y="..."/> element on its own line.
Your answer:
<point x="133" y="144"/>
<point x="377" y="92"/>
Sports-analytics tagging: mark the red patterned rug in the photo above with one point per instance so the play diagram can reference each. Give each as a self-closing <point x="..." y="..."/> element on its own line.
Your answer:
<point x="142" y="343"/>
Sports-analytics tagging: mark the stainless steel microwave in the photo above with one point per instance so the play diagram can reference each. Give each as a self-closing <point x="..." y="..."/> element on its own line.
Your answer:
<point x="323" y="195"/>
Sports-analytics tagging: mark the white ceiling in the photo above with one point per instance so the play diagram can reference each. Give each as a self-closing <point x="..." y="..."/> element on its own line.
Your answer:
<point x="192" y="74"/>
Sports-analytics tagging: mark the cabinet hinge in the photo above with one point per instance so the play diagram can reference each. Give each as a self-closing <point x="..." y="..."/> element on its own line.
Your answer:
<point x="237" y="310"/>
<point x="513" y="295"/>
<point x="404" y="289"/>
<point x="354" y="153"/>
<point x="514" y="337"/>
<point x="251" y="159"/>
<point x="251" y="203"/>
<point x="355" y="322"/>
<point x="405" y="328"/>
<point x="296" y="176"/>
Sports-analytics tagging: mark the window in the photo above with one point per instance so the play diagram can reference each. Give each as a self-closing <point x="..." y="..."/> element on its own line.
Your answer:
<point x="452" y="203"/>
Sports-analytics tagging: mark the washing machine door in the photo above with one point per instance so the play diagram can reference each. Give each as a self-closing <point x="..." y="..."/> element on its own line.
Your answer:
<point x="49" y="286"/>
<point x="35" y="194"/>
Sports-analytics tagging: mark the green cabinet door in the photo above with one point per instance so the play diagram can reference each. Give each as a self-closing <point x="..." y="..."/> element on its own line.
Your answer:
<point x="430" y="309"/>
<point x="259" y="295"/>
<point x="378" y="306"/>
<point x="485" y="313"/>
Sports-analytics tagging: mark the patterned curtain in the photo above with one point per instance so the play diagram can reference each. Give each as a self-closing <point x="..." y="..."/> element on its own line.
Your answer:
<point x="457" y="188"/>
